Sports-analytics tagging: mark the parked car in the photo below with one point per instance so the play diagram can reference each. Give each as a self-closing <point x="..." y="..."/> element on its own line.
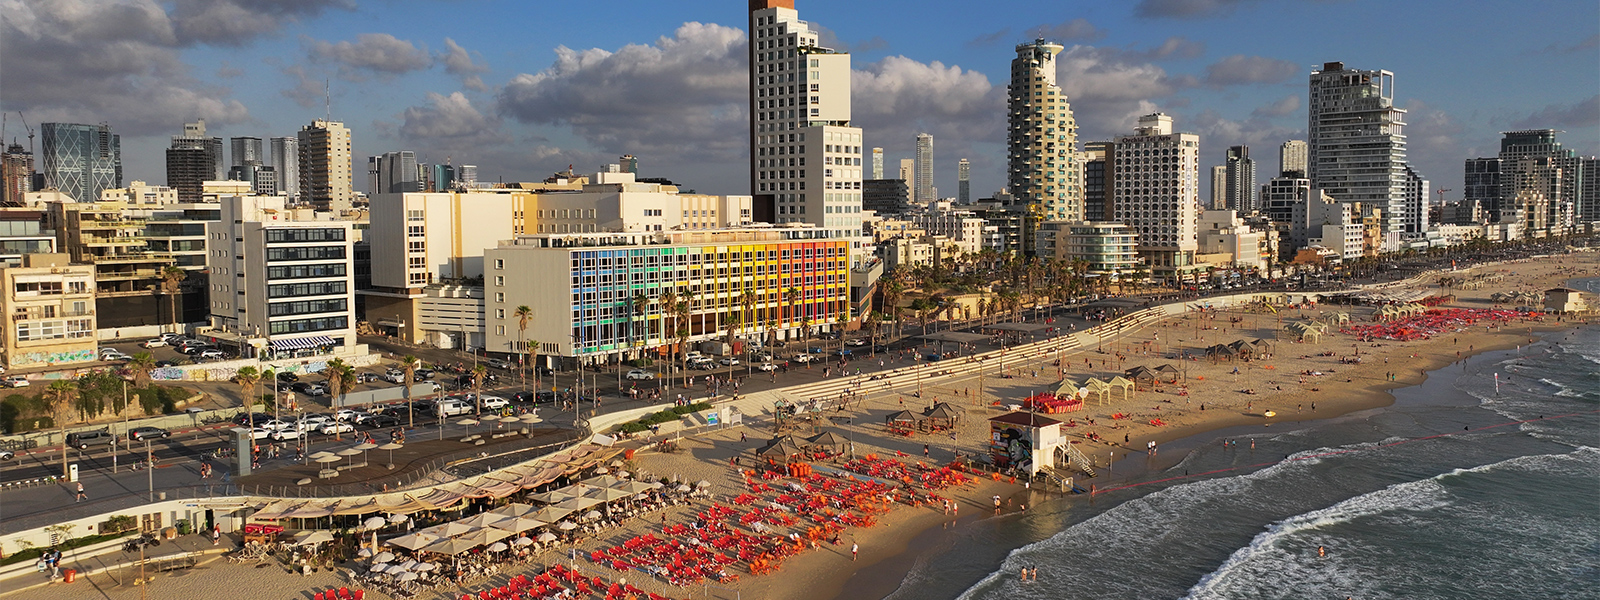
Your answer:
<point x="252" y="419"/>
<point x="153" y="343"/>
<point x="194" y="348"/>
<point x="345" y="414"/>
<point x="381" y="421"/>
<point x="113" y="354"/>
<point x="423" y="374"/>
<point x="857" y="342"/>
<point x="166" y="363"/>
<point x="496" y="363"/>
<point x="312" y="422"/>
<point x="394" y="376"/>
<point x="84" y="439"/>
<point x="285" y="434"/>
<point x="275" y="424"/>
<point x="762" y="357"/>
<point x="640" y="374"/>
<point x="801" y="358"/>
<point x="494" y="402"/>
<point x="7" y="455"/>
<point x="367" y="377"/>
<point x="450" y="407"/>
<point x="766" y="366"/>
<point x="168" y="337"/>
<point x="16" y="381"/>
<point x="260" y="433"/>
<point x="213" y="354"/>
<point x="287" y="377"/>
<point x="140" y="433"/>
<point x="728" y="361"/>
<point x="843" y="352"/>
<point x="334" y="428"/>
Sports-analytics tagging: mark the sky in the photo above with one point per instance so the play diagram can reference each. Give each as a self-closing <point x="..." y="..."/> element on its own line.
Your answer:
<point x="524" y="88"/>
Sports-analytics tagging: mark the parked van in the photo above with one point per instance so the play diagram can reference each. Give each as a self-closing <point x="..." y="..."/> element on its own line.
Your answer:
<point x="450" y="407"/>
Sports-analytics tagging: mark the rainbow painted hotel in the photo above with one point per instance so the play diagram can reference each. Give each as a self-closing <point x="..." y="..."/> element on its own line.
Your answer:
<point x="583" y="288"/>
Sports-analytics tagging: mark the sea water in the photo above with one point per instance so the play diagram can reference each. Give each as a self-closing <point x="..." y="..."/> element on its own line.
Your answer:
<point x="1427" y="498"/>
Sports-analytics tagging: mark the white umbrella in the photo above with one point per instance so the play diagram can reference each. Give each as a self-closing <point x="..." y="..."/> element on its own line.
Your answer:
<point x="406" y="566"/>
<point x="682" y="487"/>
<point x="374" y="522"/>
<point x="547" y="537"/>
<point x="593" y="514"/>
<point x="380" y="567"/>
<point x="365" y="553"/>
<point x="523" y="541"/>
<point x="391" y="447"/>
<point x="510" y="419"/>
<point x="616" y="462"/>
<point x="530" y="418"/>
<point x="398" y="519"/>
<point x="600" y="471"/>
<point x="622" y="474"/>
<point x="658" y="485"/>
<point x="467" y="422"/>
<point x="384" y="557"/>
<point x="364" y="446"/>
<point x="350" y="451"/>
<point x="327" y="459"/>
<point x="566" y="526"/>
<point x="425" y="567"/>
<point x="408" y="576"/>
<point x="498" y="547"/>
<point x="703" y="483"/>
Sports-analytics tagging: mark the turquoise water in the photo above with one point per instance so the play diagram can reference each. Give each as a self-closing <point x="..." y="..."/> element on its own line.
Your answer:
<point x="1406" y="503"/>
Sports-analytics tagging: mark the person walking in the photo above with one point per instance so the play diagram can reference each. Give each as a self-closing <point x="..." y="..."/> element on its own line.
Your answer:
<point x="81" y="496"/>
<point x="216" y="534"/>
<point x="854" y="549"/>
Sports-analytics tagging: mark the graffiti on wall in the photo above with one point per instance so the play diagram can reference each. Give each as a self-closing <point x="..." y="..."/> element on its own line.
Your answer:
<point x="40" y="358"/>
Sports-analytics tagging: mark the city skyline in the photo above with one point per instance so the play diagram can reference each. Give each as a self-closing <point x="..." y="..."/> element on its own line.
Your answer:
<point x="578" y="95"/>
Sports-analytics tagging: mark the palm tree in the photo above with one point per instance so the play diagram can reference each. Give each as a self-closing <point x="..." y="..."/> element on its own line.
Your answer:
<point x="640" y="304"/>
<point x="171" y="283"/>
<point x="523" y="314"/>
<point x="141" y="365"/>
<point x="668" y="301"/>
<point x="681" y="311"/>
<point x="479" y="373"/>
<point x="533" y="360"/>
<point x="248" y="378"/>
<point x="411" y="373"/>
<point x="747" y="302"/>
<point x="790" y="297"/>
<point x="341" y="378"/>
<point x="874" y="319"/>
<point x="60" y="392"/>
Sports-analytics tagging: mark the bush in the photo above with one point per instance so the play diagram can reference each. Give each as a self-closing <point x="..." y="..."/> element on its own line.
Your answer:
<point x="33" y="554"/>
<point x="665" y="416"/>
<point x="118" y="524"/>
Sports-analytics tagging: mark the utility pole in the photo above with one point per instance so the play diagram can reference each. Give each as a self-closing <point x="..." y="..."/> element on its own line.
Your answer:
<point x="149" y="470"/>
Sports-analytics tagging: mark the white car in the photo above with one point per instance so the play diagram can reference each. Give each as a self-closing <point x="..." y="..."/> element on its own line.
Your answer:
<point x="494" y="402"/>
<point x="729" y="361"/>
<point x="312" y="422"/>
<point x="114" y="354"/>
<point x="154" y="343"/>
<point x="767" y="367"/>
<point x="210" y="354"/>
<point x="345" y="415"/>
<point x="276" y="425"/>
<point x="855" y="342"/>
<point x="260" y="433"/>
<point x="332" y="428"/>
<point x="285" y="434"/>
<point x="638" y="374"/>
<point x="16" y="381"/>
<point x="802" y="358"/>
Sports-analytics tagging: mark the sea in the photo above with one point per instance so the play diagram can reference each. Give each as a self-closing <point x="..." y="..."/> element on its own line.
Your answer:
<point x="1443" y="494"/>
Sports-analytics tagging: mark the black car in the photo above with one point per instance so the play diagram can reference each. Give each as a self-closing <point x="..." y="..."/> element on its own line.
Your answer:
<point x="252" y="419"/>
<point x="287" y="377"/>
<point x="381" y="420"/>
<point x="165" y="363"/>
<point x="544" y="371"/>
<point x="141" y="433"/>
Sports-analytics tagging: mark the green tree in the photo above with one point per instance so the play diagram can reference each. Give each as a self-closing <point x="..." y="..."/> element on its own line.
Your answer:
<point x="140" y="367"/>
<point x="341" y="378"/>
<point x="172" y="285"/>
<point x="479" y="373"/>
<point x="248" y="378"/>
<point x="60" y="392"/>
<point x="410" y="368"/>
<point x="523" y="314"/>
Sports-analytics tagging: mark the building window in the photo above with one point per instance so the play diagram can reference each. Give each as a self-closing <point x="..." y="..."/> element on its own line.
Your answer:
<point x="305" y="325"/>
<point x="499" y="264"/>
<point x="499" y="280"/>
<point x="499" y="313"/>
<point x="500" y="330"/>
<point x="305" y="235"/>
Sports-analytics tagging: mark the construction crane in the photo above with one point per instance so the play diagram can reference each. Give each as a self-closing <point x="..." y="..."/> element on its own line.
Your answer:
<point x="1441" y="192"/>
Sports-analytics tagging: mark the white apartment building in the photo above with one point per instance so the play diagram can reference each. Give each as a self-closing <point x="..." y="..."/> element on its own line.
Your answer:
<point x="1357" y="142"/>
<point x="1042" y="138"/>
<point x="50" y="305"/>
<point x="1292" y="157"/>
<point x="1107" y="248"/>
<point x="1333" y="225"/>
<point x="805" y="157"/>
<point x="964" y="228"/>
<point x="283" y="286"/>
<point x="1154" y="178"/>
<point x="1225" y="232"/>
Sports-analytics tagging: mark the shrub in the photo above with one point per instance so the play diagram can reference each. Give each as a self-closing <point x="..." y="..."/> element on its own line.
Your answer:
<point x="666" y="416"/>
<point x="118" y="524"/>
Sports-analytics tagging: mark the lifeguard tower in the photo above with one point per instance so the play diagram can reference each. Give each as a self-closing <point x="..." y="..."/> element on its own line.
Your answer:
<point x="1025" y="440"/>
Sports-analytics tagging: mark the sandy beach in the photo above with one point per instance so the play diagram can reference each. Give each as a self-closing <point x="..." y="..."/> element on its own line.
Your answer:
<point x="1208" y="396"/>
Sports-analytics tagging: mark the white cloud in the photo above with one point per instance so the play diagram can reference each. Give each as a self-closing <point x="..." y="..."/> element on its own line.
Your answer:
<point x="1287" y="106"/>
<point x="450" y="121"/>
<point x="1239" y="69"/>
<point x="378" y="53"/>
<point x="457" y="61"/>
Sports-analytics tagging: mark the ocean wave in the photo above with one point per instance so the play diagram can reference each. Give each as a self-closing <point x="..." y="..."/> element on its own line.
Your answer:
<point x="1272" y="554"/>
<point x="1561" y="390"/>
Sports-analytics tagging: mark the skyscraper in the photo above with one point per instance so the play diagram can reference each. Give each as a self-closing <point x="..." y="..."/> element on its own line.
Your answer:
<point x="286" y="161"/>
<point x="908" y="172"/>
<point x="16" y="174"/>
<point x="81" y="160"/>
<point x="1415" y="217"/>
<point x="805" y="157"/>
<point x="395" y="173"/>
<point x="963" y="181"/>
<point x="195" y="133"/>
<point x="246" y="152"/>
<point x="1292" y="159"/>
<point x="1241" y="174"/>
<point x="1042" y="140"/>
<point x="1357" y="144"/>
<point x="468" y="174"/>
<point x="1154" y="181"/>
<point x="1093" y="159"/>
<point x="1532" y="161"/>
<point x="191" y="161"/>
<point x="1219" y="187"/>
<point x="924" y="194"/>
<point x="325" y="169"/>
<point x="877" y="163"/>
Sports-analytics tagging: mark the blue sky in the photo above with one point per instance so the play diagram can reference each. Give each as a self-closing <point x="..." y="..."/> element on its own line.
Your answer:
<point x="523" y="89"/>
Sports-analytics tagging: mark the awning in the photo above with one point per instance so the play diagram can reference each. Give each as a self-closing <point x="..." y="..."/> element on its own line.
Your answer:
<point x="302" y="342"/>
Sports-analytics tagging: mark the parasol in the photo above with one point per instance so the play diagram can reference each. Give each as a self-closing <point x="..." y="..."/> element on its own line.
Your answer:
<point x="407" y="576"/>
<point x="547" y="537"/>
<point x="566" y="526"/>
<point x="523" y="541"/>
<point x="384" y="557"/>
<point x="425" y="567"/>
<point x="498" y="547"/>
<point x="593" y="514"/>
<point x="391" y="447"/>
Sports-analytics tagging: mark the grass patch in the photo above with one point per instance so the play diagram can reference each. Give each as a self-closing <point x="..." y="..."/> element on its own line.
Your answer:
<point x="33" y="554"/>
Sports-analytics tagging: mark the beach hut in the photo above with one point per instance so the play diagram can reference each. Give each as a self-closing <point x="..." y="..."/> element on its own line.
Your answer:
<point x="780" y="452"/>
<point x="1304" y="331"/>
<point x="1168" y="371"/>
<point x="1243" y="348"/>
<point x="1220" y="352"/>
<point x="941" y="416"/>
<point x="900" y="422"/>
<point x="1099" y="388"/>
<point x="1127" y="386"/>
<point x="827" y="441"/>
<point x="1140" y="375"/>
<point x="1266" y="346"/>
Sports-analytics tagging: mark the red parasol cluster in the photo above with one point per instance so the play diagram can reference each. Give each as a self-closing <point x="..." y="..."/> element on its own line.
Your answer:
<point x="1049" y="403"/>
<point x="1434" y="322"/>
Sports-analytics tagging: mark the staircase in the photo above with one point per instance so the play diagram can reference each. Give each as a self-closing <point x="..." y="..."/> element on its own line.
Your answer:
<point x="1076" y="457"/>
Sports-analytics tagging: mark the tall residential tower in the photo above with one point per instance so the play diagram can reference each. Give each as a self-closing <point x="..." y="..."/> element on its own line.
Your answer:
<point x="805" y="157"/>
<point x="964" y="181"/>
<point x="1042" y="139"/>
<point x="924" y="188"/>
<point x="1357" y="143"/>
<point x="81" y="160"/>
<point x="325" y="177"/>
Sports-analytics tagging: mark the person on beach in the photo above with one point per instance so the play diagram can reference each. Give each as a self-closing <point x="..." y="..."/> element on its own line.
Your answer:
<point x="854" y="549"/>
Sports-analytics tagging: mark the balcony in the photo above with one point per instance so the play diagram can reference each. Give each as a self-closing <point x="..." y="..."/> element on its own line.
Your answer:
<point x="96" y="240"/>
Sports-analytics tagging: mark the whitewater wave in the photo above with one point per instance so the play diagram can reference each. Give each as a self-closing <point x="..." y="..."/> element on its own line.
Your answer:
<point x="1281" y="550"/>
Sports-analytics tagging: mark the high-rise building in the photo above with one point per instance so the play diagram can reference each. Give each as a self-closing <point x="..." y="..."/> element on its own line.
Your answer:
<point x="964" y="181"/>
<point x="1042" y="140"/>
<point x="1219" y="187"/>
<point x="246" y="151"/>
<point x="877" y="163"/>
<point x="1283" y="194"/>
<point x="195" y="134"/>
<point x="924" y="189"/>
<point x="469" y="173"/>
<point x="394" y="173"/>
<point x="325" y="169"/>
<point x="192" y="160"/>
<point x="1241" y="189"/>
<point x="1416" y="205"/>
<point x="908" y="172"/>
<point x="1093" y="159"/>
<point x="286" y="161"/>
<point x="805" y="157"/>
<point x="1292" y="158"/>
<point x="885" y="196"/>
<point x="1533" y="161"/>
<point x="1155" y="188"/>
<point x="16" y="174"/>
<point x="1357" y="144"/>
<point x="81" y="160"/>
<point x="444" y="178"/>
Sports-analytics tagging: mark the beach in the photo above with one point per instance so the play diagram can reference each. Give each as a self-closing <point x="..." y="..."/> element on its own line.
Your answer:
<point x="1209" y="396"/>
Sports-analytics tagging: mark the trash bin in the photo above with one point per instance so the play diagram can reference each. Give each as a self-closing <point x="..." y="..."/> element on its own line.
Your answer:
<point x="71" y="575"/>
<point x="169" y="533"/>
<point x="628" y="453"/>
